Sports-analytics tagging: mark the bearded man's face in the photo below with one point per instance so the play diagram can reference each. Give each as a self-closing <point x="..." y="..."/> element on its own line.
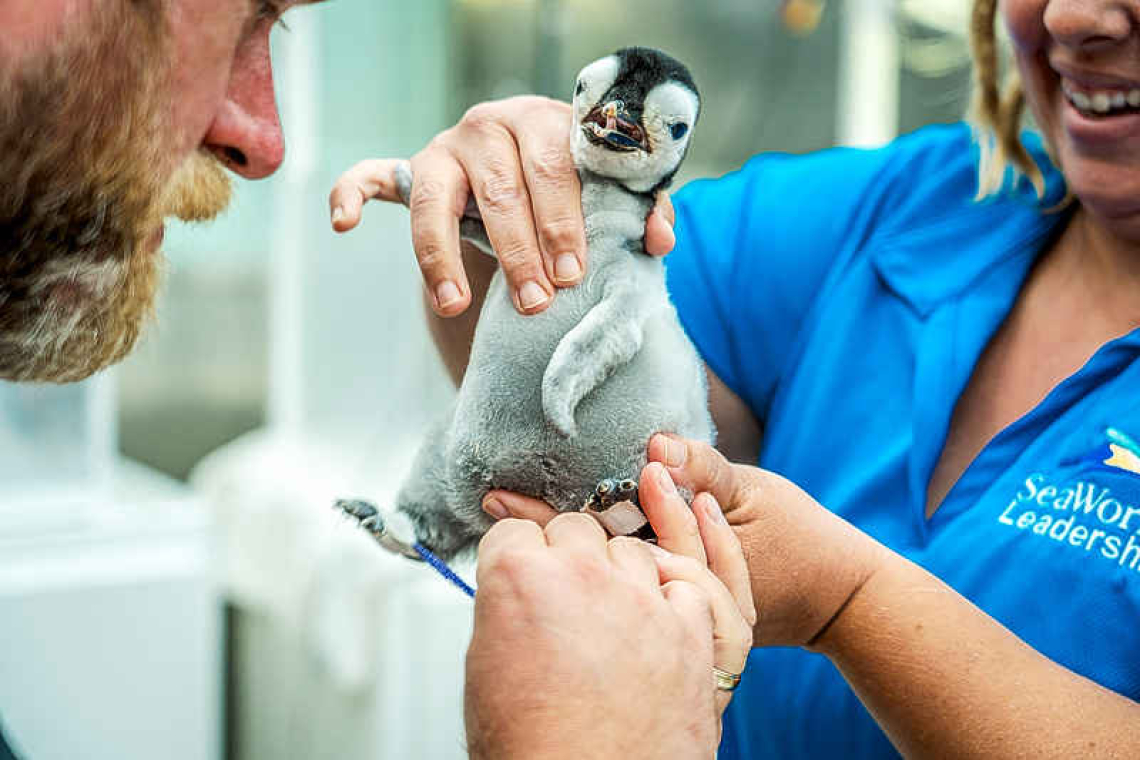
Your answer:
<point x="104" y="133"/>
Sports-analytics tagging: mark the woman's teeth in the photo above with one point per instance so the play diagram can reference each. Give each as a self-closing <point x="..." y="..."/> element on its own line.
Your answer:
<point x="1104" y="102"/>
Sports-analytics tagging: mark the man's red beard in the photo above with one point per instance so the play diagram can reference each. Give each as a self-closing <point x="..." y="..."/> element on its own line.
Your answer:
<point x="84" y="188"/>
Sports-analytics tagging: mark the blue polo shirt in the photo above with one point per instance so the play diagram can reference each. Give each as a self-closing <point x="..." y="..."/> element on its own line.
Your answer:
<point x="846" y="296"/>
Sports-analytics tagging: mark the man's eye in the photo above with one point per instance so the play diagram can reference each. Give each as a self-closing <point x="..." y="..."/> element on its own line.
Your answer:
<point x="272" y="10"/>
<point x="269" y="9"/>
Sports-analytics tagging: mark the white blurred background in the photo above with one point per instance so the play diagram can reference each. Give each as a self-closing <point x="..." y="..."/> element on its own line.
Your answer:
<point x="172" y="583"/>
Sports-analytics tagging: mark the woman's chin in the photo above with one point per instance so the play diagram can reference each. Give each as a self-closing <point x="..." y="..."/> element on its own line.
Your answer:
<point x="1110" y="190"/>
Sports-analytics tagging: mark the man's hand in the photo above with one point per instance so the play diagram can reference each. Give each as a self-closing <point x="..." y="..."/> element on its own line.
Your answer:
<point x="580" y="650"/>
<point x="694" y="544"/>
<point x="514" y="157"/>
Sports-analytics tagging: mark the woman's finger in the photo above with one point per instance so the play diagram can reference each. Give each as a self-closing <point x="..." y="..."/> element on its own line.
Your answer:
<point x="489" y="153"/>
<point x="660" y="238"/>
<point x="726" y="557"/>
<point x="439" y="195"/>
<point x="671" y="518"/>
<point x="368" y="180"/>
<point x="503" y="504"/>
<point x="732" y="636"/>
<point x="542" y="133"/>
<point x="696" y="466"/>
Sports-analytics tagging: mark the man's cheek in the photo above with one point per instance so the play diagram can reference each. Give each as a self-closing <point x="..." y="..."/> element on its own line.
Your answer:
<point x="203" y="37"/>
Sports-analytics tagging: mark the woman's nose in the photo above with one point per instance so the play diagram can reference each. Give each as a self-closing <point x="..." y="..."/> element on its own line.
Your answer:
<point x="1090" y="24"/>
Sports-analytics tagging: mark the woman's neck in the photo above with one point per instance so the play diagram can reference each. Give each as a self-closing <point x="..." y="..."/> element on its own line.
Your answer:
<point x="1103" y="268"/>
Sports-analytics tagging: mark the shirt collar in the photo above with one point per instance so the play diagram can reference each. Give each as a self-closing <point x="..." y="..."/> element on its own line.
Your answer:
<point x="927" y="265"/>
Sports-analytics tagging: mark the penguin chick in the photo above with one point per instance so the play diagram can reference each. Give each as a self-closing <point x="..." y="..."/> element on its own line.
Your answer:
<point x="561" y="405"/>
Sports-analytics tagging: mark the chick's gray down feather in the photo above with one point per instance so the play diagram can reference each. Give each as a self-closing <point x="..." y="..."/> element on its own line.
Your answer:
<point x="555" y="403"/>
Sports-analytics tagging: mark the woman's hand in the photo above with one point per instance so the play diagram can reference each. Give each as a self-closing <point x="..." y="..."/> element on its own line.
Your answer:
<point x="514" y="157"/>
<point x="805" y="562"/>
<point x="695" y="546"/>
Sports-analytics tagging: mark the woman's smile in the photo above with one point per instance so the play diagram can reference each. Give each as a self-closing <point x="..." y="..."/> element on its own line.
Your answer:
<point x="1099" y="110"/>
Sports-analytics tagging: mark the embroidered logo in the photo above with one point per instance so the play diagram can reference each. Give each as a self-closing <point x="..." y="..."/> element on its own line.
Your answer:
<point x="1124" y="452"/>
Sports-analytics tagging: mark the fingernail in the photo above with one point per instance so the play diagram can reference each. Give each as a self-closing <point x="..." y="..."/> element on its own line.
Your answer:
<point x="567" y="268"/>
<point x="446" y="294"/>
<point x="675" y="452"/>
<point x="337" y="214"/>
<point x="658" y="551"/>
<point x="666" y="481"/>
<point x="495" y="509"/>
<point x="713" y="510"/>
<point x="671" y="238"/>
<point x="532" y="295"/>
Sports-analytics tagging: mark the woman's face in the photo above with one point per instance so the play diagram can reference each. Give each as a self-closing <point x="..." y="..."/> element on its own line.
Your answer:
<point x="1080" y="64"/>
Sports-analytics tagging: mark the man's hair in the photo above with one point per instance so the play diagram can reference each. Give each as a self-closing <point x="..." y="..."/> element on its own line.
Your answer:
<point x="997" y="109"/>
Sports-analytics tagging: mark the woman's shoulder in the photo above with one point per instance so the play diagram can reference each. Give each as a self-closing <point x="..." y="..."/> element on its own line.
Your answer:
<point x="912" y="180"/>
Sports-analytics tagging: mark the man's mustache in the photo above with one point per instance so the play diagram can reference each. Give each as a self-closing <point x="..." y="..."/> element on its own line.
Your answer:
<point x="199" y="190"/>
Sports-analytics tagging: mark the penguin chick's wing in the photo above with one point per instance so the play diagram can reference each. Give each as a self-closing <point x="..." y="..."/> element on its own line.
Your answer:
<point x="607" y="337"/>
<point x="471" y="226"/>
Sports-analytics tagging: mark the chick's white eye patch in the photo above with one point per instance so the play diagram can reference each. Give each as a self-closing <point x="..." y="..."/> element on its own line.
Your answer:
<point x="596" y="79"/>
<point x="672" y="107"/>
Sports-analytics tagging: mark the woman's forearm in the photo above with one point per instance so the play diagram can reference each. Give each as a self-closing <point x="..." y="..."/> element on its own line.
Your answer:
<point x="944" y="679"/>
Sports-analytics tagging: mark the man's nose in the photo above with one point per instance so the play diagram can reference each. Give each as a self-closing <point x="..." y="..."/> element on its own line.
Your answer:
<point x="246" y="132"/>
<point x="1088" y="25"/>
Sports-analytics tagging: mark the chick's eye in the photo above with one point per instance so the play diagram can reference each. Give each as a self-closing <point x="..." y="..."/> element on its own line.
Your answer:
<point x="680" y="129"/>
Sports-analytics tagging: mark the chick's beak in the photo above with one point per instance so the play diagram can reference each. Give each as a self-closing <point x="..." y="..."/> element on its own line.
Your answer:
<point x="613" y="124"/>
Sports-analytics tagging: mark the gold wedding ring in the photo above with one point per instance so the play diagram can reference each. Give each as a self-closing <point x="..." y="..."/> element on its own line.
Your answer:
<point x="725" y="681"/>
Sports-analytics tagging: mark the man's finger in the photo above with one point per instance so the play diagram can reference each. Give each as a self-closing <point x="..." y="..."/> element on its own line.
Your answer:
<point x="633" y="559"/>
<point x="496" y="177"/>
<point x="692" y="606"/>
<point x="504" y="504"/>
<point x="513" y="535"/>
<point x="577" y="532"/>
<point x="368" y="180"/>
<point x="696" y="466"/>
<point x="555" y="193"/>
<point x="439" y="194"/>
<point x="670" y="516"/>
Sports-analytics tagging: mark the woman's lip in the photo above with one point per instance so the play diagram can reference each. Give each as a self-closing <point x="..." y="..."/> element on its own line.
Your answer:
<point x="1100" y="132"/>
<point x="1094" y="80"/>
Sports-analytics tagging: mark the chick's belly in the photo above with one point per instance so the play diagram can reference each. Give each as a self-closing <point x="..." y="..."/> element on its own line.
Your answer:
<point x="510" y="352"/>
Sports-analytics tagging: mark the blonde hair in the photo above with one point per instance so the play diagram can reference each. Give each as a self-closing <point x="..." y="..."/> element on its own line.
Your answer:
<point x="996" y="110"/>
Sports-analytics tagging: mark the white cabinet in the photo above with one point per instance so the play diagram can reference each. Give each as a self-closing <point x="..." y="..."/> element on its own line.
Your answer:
<point x="110" y="625"/>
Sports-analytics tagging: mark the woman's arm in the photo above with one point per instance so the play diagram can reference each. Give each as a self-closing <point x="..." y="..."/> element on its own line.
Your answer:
<point x="944" y="679"/>
<point x="940" y="676"/>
